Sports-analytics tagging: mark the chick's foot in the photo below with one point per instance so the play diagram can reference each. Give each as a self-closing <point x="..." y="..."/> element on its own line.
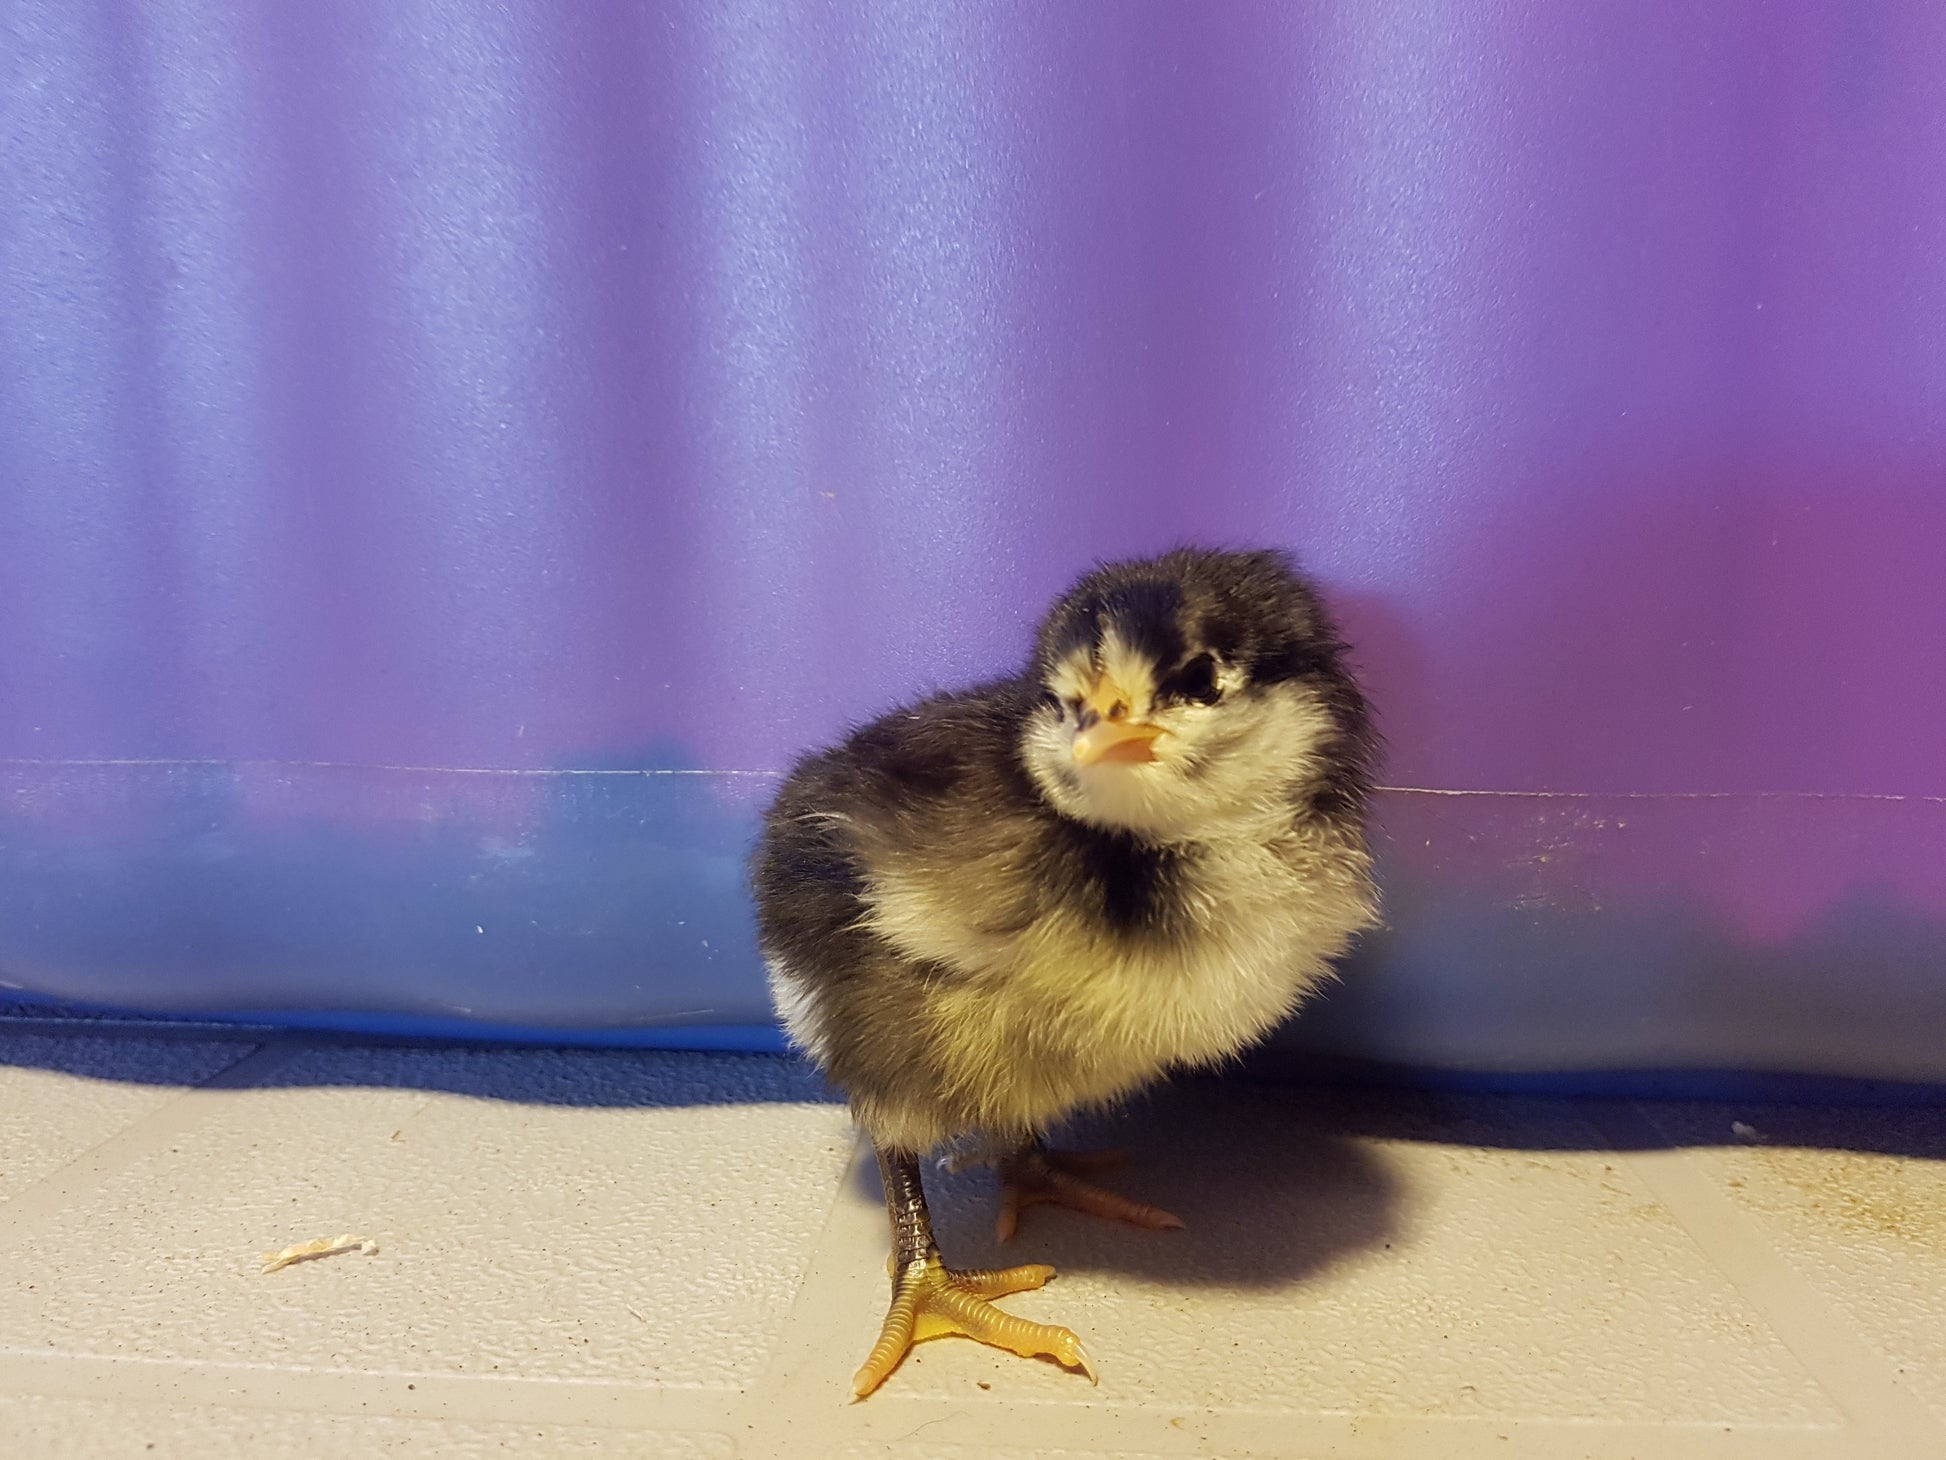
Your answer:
<point x="1036" y="1175"/>
<point x="931" y="1300"/>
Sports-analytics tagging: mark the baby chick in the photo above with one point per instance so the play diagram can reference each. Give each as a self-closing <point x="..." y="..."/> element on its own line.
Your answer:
<point x="1001" y="906"/>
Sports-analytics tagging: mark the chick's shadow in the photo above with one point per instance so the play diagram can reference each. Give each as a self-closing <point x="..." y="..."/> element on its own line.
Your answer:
<point x="1270" y="1192"/>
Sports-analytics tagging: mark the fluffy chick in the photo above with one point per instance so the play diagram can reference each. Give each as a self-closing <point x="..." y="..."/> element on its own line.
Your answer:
<point x="998" y="907"/>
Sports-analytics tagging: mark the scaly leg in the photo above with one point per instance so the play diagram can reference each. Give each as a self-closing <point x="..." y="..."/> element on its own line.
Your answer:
<point x="1034" y="1175"/>
<point x="931" y="1300"/>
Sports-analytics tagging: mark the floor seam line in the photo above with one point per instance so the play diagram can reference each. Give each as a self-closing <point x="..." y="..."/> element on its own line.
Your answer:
<point x="69" y="1183"/>
<point x="1840" y="1356"/>
<point x="462" y="1398"/>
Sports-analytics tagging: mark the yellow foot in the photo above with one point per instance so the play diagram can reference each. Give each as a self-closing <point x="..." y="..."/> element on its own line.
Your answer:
<point x="1035" y="1176"/>
<point x="931" y="1300"/>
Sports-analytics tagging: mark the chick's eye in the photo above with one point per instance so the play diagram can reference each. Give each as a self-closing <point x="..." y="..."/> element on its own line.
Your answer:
<point x="1196" y="680"/>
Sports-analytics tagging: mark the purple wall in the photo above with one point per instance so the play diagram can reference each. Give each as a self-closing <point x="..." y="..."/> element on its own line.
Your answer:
<point x="406" y="404"/>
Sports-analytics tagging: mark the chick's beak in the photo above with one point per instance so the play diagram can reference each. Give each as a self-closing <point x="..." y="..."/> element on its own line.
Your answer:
<point x="1109" y="731"/>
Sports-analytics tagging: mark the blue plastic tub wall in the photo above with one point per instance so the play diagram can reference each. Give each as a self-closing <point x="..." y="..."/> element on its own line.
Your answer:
<point x="455" y="455"/>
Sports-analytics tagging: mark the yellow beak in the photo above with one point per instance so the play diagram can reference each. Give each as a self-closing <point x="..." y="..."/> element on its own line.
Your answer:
<point x="1108" y="733"/>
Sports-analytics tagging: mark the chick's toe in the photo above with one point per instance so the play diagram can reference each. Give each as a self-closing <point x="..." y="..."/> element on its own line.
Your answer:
<point x="1034" y="1176"/>
<point x="931" y="1300"/>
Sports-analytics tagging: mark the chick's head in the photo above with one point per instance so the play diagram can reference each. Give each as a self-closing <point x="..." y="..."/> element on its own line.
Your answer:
<point x="1192" y="695"/>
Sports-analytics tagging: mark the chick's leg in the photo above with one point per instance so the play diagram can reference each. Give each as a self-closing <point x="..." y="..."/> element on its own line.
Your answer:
<point x="1034" y="1175"/>
<point x="931" y="1300"/>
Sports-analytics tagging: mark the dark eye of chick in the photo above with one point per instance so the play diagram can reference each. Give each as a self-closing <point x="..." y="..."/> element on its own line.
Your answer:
<point x="1196" y="681"/>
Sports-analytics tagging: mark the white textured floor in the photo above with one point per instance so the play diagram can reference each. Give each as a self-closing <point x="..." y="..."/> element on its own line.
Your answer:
<point x="683" y="1255"/>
